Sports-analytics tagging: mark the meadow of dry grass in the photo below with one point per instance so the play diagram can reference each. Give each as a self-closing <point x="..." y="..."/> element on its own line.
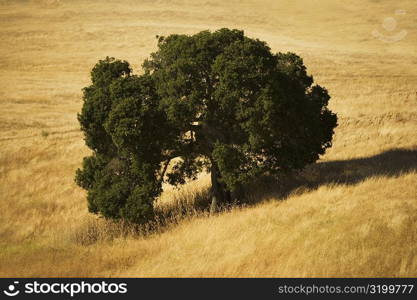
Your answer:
<point x="352" y="214"/>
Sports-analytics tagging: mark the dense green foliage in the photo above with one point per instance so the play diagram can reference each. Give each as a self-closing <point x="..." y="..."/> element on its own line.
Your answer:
<point x="218" y="101"/>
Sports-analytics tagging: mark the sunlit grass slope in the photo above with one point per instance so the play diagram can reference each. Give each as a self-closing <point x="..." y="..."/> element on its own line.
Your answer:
<point x="354" y="213"/>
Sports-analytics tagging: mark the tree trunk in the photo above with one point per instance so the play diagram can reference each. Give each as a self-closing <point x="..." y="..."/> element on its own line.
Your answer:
<point x="220" y="194"/>
<point x="216" y="189"/>
<point x="213" y="205"/>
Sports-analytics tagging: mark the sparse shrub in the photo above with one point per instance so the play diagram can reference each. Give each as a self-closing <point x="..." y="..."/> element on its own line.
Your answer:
<point x="218" y="101"/>
<point x="45" y="133"/>
<point x="94" y="230"/>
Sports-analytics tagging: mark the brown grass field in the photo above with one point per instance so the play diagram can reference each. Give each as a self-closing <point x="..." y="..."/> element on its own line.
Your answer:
<point x="354" y="213"/>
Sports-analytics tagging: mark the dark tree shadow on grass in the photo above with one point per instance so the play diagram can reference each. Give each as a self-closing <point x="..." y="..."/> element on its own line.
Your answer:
<point x="347" y="172"/>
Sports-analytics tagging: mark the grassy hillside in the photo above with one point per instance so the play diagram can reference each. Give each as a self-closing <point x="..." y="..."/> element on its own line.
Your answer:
<point x="352" y="214"/>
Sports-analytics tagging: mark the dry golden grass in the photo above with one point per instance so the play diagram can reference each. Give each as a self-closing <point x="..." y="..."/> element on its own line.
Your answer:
<point x="352" y="214"/>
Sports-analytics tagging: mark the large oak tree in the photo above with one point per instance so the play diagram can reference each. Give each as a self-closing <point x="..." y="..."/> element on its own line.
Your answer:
<point x="214" y="100"/>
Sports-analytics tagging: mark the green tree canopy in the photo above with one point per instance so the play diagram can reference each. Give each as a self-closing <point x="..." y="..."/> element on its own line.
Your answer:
<point x="214" y="100"/>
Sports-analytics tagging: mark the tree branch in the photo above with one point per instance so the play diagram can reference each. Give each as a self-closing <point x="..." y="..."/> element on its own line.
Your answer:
<point x="162" y="174"/>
